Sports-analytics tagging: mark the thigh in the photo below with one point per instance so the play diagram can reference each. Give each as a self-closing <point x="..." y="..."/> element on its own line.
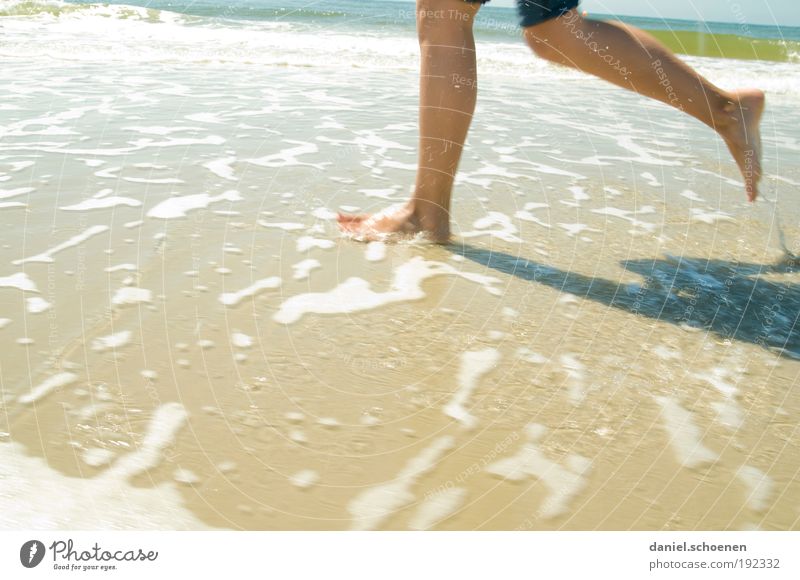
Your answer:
<point x="533" y="12"/>
<point x="446" y="12"/>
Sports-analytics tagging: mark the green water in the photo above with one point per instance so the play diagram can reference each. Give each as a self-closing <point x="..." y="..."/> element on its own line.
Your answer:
<point x="729" y="46"/>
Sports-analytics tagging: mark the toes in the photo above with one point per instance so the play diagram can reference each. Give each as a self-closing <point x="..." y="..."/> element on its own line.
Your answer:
<point x="343" y="218"/>
<point x="349" y="226"/>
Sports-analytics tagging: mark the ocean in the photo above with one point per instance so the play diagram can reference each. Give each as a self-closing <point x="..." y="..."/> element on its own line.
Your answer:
<point x="187" y="341"/>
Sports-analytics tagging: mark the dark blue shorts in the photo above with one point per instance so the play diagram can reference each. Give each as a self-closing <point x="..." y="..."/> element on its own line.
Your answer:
<point x="536" y="11"/>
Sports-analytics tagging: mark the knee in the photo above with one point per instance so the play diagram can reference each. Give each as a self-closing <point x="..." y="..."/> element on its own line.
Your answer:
<point x="547" y="38"/>
<point x="444" y="21"/>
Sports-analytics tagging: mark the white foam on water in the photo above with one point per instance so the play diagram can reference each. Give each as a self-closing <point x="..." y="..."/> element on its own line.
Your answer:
<point x="177" y="207"/>
<point x="666" y="353"/>
<point x="506" y="230"/>
<point x="133" y="224"/>
<point x="356" y="295"/>
<point x="398" y="165"/>
<point x="651" y="179"/>
<point x="185" y="476"/>
<point x="576" y="377"/>
<point x="289" y="157"/>
<point x="212" y="118"/>
<point x="286" y="226"/>
<point x="306" y="243"/>
<point x="222" y="168"/>
<point x="368" y="139"/>
<point x="294" y="417"/>
<point x="375" y="252"/>
<point x="97" y="456"/>
<point x="575" y="229"/>
<point x="154" y="181"/>
<point x="729" y="413"/>
<point x="102" y="203"/>
<point x="8" y="193"/>
<point x="47" y="256"/>
<point x="108" y="173"/>
<point x="47" y="386"/>
<point x="690" y="195"/>
<point x="112" y="341"/>
<point x="541" y="168"/>
<point x="121" y="267"/>
<point x="298" y="436"/>
<point x="784" y="179"/>
<point x="20" y="281"/>
<point x="563" y="483"/>
<point x="149" y="166"/>
<point x="20" y="165"/>
<point x="4" y="322"/>
<point x="710" y="217"/>
<point x="528" y="355"/>
<point x="130" y="295"/>
<point x="304" y="479"/>
<point x="303" y="269"/>
<point x="137" y="145"/>
<point x="527" y="215"/>
<point x="627" y="216"/>
<point x="387" y="194"/>
<point x="372" y="507"/>
<point x="718" y="176"/>
<point x="684" y="435"/>
<point x="234" y="298"/>
<point x="759" y="487"/>
<point x="437" y="508"/>
<point x="160" y="130"/>
<point x="37" y="305"/>
<point x="474" y="364"/>
<point x="12" y="205"/>
<point x="162" y="430"/>
<point x="578" y="193"/>
<point x="31" y="489"/>
<point x="241" y="340"/>
<point x="497" y="171"/>
<point x="323" y="213"/>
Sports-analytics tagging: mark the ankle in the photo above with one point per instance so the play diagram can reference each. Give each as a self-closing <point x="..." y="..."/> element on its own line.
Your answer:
<point x="430" y="218"/>
<point x="727" y="113"/>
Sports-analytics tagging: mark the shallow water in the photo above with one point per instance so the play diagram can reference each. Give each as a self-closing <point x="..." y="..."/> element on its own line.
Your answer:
<point x="610" y="342"/>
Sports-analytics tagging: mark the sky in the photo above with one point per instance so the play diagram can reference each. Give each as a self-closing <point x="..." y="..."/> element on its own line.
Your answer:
<point x="773" y="12"/>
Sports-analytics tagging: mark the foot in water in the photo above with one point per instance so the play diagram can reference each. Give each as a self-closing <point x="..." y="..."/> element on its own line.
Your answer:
<point x="395" y="222"/>
<point x="739" y="127"/>
<point x="741" y="133"/>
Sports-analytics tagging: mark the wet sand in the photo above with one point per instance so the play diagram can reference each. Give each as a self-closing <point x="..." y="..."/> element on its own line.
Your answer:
<point x="609" y="343"/>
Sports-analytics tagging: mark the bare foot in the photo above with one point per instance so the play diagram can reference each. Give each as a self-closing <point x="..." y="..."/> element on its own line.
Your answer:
<point x="742" y="134"/>
<point x="396" y="221"/>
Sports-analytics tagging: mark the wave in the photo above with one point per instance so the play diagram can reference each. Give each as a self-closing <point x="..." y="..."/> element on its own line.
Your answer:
<point x="730" y="46"/>
<point x="56" y="8"/>
<point x="114" y="33"/>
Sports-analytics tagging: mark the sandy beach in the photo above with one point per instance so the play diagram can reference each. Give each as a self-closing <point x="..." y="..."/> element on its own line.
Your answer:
<point x="188" y="342"/>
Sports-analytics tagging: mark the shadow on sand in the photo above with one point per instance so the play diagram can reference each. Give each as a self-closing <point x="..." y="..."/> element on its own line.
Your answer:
<point x="727" y="298"/>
